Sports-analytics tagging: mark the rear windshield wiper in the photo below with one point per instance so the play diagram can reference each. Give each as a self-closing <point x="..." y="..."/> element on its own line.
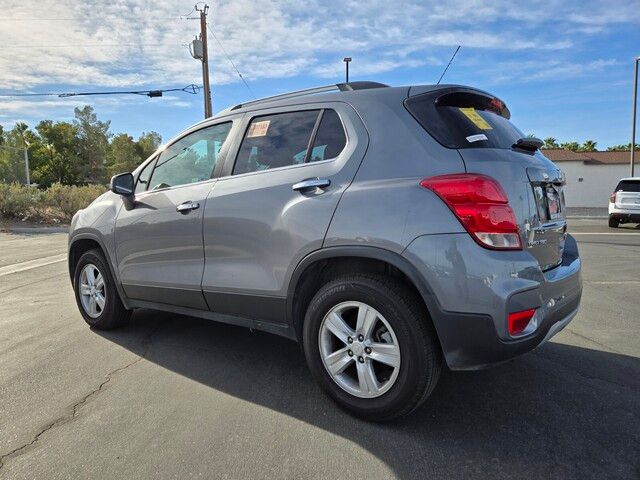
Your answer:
<point x="530" y="144"/>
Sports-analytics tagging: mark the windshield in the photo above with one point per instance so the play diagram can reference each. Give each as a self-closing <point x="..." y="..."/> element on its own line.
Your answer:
<point x="464" y="119"/>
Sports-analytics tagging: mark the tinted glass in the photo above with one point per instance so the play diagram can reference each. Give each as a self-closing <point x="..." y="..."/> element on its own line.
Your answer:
<point x="273" y="141"/>
<point x="464" y="120"/>
<point x="330" y="139"/>
<point x="191" y="159"/>
<point x="143" y="178"/>
<point x="628" y="186"/>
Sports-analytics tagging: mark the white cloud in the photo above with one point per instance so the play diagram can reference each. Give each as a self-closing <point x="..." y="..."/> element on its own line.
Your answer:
<point x="126" y="43"/>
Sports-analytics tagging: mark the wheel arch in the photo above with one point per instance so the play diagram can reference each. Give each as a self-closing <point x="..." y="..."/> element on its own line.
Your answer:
<point x="307" y="276"/>
<point x="83" y="242"/>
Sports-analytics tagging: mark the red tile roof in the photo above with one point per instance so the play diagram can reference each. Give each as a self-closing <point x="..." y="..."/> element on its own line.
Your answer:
<point x="607" y="158"/>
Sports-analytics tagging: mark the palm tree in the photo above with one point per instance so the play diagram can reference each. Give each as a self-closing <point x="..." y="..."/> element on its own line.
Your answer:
<point x="589" y="146"/>
<point x="550" y="142"/>
<point x="573" y="146"/>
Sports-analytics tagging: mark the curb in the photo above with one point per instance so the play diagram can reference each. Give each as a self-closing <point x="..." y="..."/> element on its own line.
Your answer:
<point x="35" y="230"/>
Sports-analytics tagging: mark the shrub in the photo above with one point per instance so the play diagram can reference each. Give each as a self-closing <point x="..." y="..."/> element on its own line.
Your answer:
<point x="56" y="204"/>
<point x="16" y="200"/>
<point x="68" y="199"/>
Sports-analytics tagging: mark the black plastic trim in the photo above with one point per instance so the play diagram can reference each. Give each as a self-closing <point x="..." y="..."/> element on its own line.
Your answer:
<point x="171" y="296"/>
<point x="259" y="307"/>
<point x="277" y="329"/>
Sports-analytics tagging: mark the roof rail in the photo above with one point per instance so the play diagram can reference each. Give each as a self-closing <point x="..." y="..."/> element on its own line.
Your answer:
<point x="343" y="87"/>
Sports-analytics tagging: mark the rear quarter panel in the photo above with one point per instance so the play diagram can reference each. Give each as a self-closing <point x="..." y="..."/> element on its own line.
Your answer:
<point x="385" y="205"/>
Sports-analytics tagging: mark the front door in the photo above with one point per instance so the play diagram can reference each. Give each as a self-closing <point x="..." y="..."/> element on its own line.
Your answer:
<point x="159" y="245"/>
<point x="273" y="204"/>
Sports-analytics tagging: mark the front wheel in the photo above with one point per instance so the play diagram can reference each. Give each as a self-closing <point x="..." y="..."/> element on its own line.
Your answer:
<point x="371" y="346"/>
<point x="96" y="294"/>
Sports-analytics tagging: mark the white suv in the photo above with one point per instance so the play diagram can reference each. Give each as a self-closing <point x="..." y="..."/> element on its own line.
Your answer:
<point x="624" y="204"/>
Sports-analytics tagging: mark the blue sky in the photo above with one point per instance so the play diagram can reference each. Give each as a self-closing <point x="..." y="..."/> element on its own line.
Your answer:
<point x="565" y="68"/>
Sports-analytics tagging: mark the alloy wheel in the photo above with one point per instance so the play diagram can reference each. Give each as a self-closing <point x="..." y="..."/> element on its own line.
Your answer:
<point x="359" y="349"/>
<point x="92" y="290"/>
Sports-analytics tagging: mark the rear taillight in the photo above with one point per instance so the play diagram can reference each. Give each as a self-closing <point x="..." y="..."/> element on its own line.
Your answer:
<point x="482" y="207"/>
<point x="518" y="321"/>
<point x="612" y="198"/>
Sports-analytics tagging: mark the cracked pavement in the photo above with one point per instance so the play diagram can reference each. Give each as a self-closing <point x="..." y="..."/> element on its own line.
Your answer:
<point x="175" y="397"/>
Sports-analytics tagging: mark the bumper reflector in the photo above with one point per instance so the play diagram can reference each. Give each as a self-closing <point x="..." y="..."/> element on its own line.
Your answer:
<point x="518" y="321"/>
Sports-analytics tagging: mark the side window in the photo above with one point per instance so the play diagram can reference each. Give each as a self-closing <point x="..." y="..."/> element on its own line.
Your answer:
<point x="143" y="179"/>
<point x="330" y="139"/>
<point x="273" y="141"/>
<point x="191" y="159"/>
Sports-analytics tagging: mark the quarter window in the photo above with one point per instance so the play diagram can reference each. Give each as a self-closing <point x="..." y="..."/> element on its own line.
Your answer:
<point x="330" y="139"/>
<point x="143" y="178"/>
<point x="191" y="159"/>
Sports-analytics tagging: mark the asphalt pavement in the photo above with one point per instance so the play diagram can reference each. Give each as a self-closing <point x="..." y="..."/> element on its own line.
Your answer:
<point x="176" y="397"/>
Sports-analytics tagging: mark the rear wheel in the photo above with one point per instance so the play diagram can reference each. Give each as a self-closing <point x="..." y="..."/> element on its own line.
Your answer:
<point x="96" y="294"/>
<point x="370" y="345"/>
<point x="613" y="222"/>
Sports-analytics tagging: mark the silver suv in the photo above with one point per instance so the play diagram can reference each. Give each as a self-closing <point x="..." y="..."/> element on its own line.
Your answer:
<point x="390" y="231"/>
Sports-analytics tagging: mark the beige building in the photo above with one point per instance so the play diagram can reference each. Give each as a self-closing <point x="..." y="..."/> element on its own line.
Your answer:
<point x="591" y="176"/>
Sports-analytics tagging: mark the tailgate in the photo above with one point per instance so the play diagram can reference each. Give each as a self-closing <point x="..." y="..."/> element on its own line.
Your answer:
<point x="535" y="190"/>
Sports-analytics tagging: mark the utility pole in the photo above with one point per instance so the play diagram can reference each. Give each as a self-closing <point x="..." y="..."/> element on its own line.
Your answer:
<point x="633" y="121"/>
<point x="208" y="112"/>
<point x="346" y="62"/>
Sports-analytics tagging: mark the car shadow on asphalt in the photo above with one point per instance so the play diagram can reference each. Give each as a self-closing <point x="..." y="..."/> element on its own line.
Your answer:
<point x="559" y="412"/>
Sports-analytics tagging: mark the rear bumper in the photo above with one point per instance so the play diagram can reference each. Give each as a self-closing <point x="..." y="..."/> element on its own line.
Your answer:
<point x="625" y="216"/>
<point x="474" y="289"/>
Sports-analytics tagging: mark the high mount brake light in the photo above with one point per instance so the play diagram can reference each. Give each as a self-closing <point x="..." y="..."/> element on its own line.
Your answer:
<point x="482" y="207"/>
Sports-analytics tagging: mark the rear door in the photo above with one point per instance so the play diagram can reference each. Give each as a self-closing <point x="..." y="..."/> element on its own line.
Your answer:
<point x="477" y="125"/>
<point x="159" y="246"/>
<point x="264" y="214"/>
<point x="628" y="195"/>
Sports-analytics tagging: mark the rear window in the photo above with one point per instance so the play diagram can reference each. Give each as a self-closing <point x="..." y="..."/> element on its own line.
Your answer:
<point x="464" y="119"/>
<point x="628" y="186"/>
<point x="273" y="141"/>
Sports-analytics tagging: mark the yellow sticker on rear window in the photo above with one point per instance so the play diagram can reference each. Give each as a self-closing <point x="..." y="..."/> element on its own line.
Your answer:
<point x="258" y="129"/>
<point x="475" y="117"/>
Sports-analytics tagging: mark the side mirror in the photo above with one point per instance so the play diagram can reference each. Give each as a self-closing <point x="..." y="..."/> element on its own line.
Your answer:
<point x="122" y="184"/>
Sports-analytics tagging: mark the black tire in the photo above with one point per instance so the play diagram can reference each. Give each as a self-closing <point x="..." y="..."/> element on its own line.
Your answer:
<point x="613" y="222"/>
<point x="421" y="357"/>
<point x="113" y="314"/>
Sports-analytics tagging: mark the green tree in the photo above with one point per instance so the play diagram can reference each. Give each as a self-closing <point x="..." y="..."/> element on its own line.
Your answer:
<point x="588" y="146"/>
<point x="55" y="153"/>
<point x="93" y="145"/>
<point x="573" y="146"/>
<point x="123" y="154"/>
<point x="148" y="143"/>
<point x="550" y="142"/>
<point x="622" y="148"/>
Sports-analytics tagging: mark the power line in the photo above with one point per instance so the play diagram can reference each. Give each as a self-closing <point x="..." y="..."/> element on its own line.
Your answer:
<point x="71" y="19"/>
<point x="190" y="89"/>
<point x="231" y="61"/>
<point x="96" y="45"/>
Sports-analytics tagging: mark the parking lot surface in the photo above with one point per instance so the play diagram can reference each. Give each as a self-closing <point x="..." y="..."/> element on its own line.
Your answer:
<point x="175" y="397"/>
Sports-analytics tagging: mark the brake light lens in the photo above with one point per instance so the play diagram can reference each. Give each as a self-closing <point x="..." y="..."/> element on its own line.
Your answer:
<point x="518" y="321"/>
<point x="612" y="199"/>
<point x="481" y="206"/>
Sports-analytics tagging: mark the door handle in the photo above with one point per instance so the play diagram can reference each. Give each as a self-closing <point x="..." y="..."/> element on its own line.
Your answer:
<point x="186" y="207"/>
<point x="311" y="184"/>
